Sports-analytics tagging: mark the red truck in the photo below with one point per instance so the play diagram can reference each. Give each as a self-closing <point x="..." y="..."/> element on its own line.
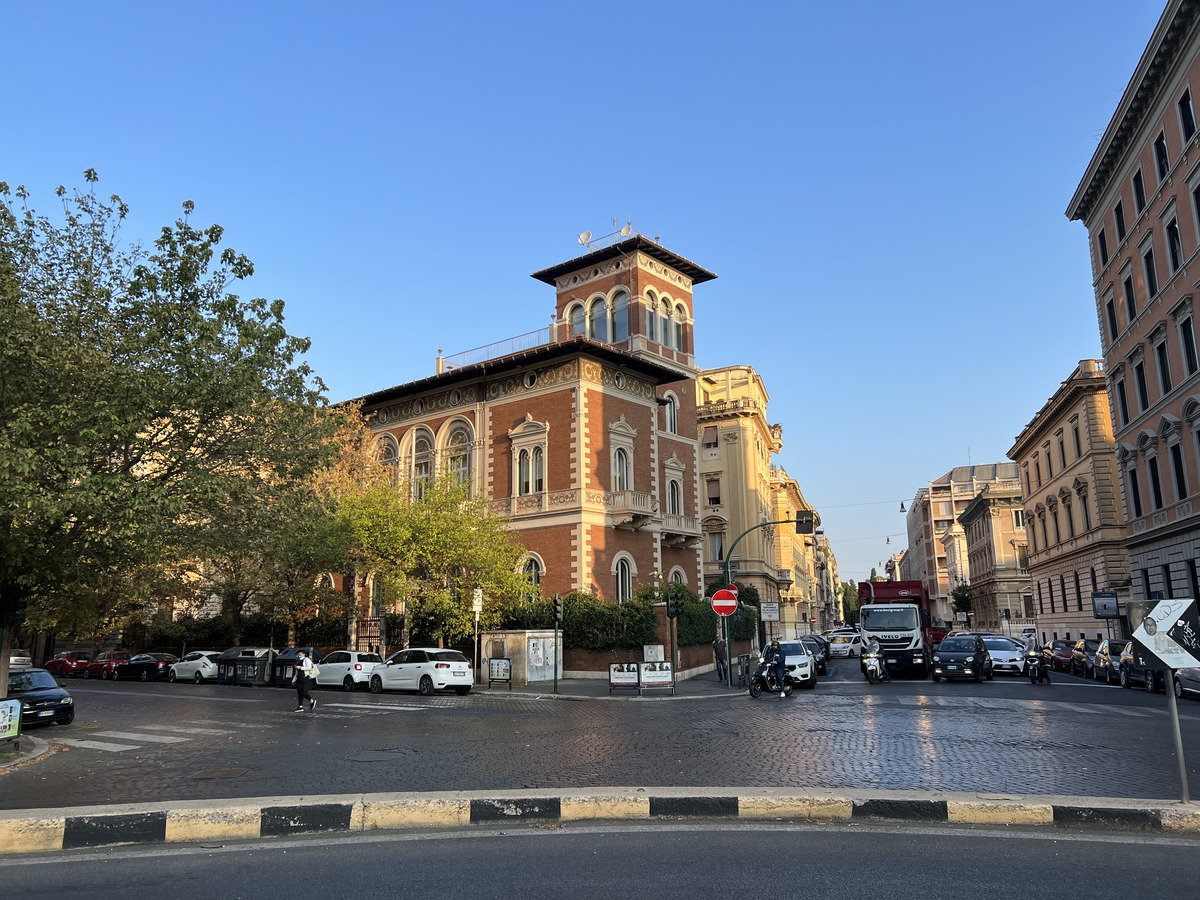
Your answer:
<point x="896" y="613"/>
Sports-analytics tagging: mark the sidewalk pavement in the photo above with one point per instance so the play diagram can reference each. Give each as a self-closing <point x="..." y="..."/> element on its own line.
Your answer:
<point x="190" y="821"/>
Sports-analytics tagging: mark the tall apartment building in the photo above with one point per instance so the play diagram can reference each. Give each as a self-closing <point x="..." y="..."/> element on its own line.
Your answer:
<point x="1140" y="202"/>
<point x="584" y="434"/>
<point x="994" y="530"/>
<point x="931" y="514"/>
<point x="1070" y="496"/>
<point x="736" y="443"/>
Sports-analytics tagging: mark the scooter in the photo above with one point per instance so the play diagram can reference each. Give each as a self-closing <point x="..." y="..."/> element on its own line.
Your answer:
<point x="1035" y="667"/>
<point x="764" y="681"/>
<point x="873" y="667"/>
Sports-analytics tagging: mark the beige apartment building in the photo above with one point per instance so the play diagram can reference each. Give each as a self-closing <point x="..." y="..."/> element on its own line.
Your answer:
<point x="994" y="530"/>
<point x="800" y="603"/>
<point x="736" y="443"/>
<point x="931" y="514"/>
<point x="1140" y="202"/>
<point x="1072" y="507"/>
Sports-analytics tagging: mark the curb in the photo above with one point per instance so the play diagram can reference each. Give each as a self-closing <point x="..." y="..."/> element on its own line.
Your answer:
<point x="32" y="831"/>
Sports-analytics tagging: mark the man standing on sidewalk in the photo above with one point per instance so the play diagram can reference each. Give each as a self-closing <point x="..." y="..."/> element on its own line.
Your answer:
<point x="719" y="656"/>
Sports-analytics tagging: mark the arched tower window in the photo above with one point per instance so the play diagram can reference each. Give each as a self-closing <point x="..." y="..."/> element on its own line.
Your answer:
<point x="651" y="315"/>
<point x="576" y="322"/>
<point x="671" y="416"/>
<point x="620" y="317"/>
<point x="664" y="325"/>
<point x="598" y="321"/>
<point x="680" y="319"/>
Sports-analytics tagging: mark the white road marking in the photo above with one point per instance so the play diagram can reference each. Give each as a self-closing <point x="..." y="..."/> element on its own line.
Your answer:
<point x="182" y="730"/>
<point x="137" y="736"/>
<point x="95" y="745"/>
<point x="360" y="707"/>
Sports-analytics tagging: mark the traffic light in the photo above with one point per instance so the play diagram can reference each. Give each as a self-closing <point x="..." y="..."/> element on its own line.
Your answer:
<point x="804" y="521"/>
<point x="558" y="608"/>
<point x="674" y="605"/>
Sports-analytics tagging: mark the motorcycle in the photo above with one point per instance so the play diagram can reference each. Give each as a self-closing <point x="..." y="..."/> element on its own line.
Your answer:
<point x="1035" y="667"/>
<point x="873" y="667"/>
<point x="764" y="681"/>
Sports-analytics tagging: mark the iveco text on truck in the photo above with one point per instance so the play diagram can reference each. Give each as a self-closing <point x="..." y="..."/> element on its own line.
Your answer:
<point x="896" y="613"/>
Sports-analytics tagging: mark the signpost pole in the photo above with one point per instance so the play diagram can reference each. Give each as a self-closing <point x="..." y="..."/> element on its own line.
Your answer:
<point x="1174" y="707"/>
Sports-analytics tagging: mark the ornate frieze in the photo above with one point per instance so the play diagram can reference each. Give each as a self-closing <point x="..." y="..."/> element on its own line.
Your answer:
<point x="386" y="416"/>
<point x="610" y="267"/>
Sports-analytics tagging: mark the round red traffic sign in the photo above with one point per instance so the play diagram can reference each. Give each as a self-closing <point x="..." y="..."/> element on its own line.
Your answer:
<point x="724" y="602"/>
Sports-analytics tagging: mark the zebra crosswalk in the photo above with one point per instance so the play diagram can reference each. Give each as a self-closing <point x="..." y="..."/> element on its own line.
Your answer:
<point x="142" y="736"/>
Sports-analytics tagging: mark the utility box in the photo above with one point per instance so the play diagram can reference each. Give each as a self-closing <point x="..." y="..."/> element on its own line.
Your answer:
<point x="245" y="665"/>
<point x="533" y="654"/>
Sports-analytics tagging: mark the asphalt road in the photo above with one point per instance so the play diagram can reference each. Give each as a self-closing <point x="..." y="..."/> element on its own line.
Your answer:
<point x="690" y="859"/>
<point x="134" y="742"/>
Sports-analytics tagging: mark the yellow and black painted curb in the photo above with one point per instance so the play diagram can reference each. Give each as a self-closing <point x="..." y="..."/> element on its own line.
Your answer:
<point x="41" y="830"/>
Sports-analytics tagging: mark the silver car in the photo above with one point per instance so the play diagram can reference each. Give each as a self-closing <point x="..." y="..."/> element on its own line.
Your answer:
<point x="1007" y="655"/>
<point x="424" y="669"/>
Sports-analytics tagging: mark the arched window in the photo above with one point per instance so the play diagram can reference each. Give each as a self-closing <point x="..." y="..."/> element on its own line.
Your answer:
<point x="460" y="457"/>
<point x="680" y="319"/>
<point x="524" y="480"/>
<point x="624" y="576"/>
<point x="664" y="325"/>
<point x="575" y="320"/>
<point x="620" y="317"/>
<point x="539" y="470"/>
<point x="671" y="416"/>
<point x="651" y="315"/>
<point x="674" y="499"/>
<point x="388" y="454"/>
<point x="620" y="470"/>
<point x="598" y="322"/>
<point x="422" y="465"/>
<point x="677" y="577"/>
<point x="533" y="571"/>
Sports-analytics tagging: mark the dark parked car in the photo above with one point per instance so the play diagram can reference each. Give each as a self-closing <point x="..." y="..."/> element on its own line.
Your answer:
<point x="962" y="656"/>
<point x="68" y="662"/>
<point x="1131" y="672"/>
<point x="104" y="664"/>
<point x="1106" y="665"/>
<point x="146" y="667"/>
<point x="1082" y="657"/>
<point x="819" y="650"/>
<point x="1058" y="655"/>
<point x="42" y="699"/>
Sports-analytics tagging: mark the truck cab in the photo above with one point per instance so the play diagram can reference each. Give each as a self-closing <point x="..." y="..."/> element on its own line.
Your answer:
<point x="896" y="613"/>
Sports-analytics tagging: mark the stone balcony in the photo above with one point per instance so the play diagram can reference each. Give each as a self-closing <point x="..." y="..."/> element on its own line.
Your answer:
<point x="630" y="509"/>
<point x="681" y="531"/>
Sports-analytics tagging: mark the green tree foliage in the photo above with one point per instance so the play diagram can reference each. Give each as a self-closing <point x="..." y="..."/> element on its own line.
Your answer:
<point x="961" y="597"/>
<point x="849" y="596"/>
<point x="432" y="543"/>
<point x="139" y="400"/>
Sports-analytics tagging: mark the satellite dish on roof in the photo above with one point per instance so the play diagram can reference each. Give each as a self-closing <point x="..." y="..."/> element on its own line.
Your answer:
<point x="585" y="237"/>
<point x="627" y="229"/>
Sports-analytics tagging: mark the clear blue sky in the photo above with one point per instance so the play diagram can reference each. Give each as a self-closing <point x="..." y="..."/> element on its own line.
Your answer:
<point x="880" y="187"/>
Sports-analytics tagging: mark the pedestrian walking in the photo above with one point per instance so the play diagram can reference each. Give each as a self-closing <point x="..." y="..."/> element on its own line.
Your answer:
<point x="302" y="676"/>
<point x="719" y="656"/>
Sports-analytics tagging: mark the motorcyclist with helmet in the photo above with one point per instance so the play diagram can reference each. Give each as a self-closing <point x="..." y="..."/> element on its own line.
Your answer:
<point x="774" y="658"/>
<point x="873" y="647"/>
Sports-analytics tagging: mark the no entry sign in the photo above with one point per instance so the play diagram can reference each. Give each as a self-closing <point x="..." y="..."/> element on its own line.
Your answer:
<point x="724" y="601"/>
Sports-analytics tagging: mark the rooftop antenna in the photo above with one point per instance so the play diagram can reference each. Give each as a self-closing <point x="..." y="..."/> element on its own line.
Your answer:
<point x="586" y="238"/>
<point x="606" y="240"/>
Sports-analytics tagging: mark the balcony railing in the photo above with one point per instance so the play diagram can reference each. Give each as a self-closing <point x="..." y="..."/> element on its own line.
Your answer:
<point x="528" y="341"/>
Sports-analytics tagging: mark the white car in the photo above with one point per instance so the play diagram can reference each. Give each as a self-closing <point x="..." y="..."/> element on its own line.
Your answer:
<point x="1007" y="655"/>
<point x="347" y="669"/>
<point x="197" y="666"/>
<point x="800" y="663"/>
<point x="846" y="645"/>
<point x="424" y="669"/>
<point x="19" y="659"/>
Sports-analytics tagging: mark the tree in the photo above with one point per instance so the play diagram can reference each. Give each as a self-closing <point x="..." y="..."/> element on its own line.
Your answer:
<point x="849" y="592"/>
<point x="138" y="398"/>
<point x="431" y="543"/>
<point x="961" y="595"/>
